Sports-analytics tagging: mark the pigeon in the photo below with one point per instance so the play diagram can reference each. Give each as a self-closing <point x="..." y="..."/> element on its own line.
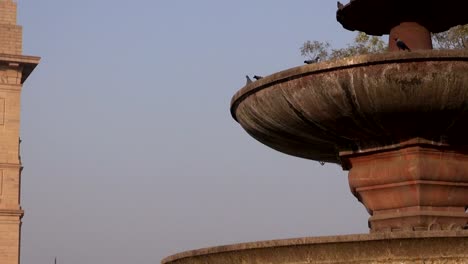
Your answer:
<point x="401" y="45"/>
<point x="249" y="81"/>
<point x="340" y="5"/>
<point x="256" y="77"/>
<point x="317" y="59"/>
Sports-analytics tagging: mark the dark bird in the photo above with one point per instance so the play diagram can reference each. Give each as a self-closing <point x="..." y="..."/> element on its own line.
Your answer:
<point x="317" y="59"/>
<point x="340" y="5"/>
<point x="249" y="81"/>
<point x="322" y="162"/>
<point x="256" y="77"/>
<point x="401" y="45"/>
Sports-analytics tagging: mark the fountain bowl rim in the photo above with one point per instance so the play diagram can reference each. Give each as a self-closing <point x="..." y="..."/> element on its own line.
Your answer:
<point x="341" y="64"/>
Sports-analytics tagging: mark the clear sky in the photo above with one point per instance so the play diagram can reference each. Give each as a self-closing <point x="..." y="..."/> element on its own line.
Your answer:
<point x="129" y="149"/>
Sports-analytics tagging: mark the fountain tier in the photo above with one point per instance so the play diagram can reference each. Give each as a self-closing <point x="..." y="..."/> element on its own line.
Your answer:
<point x="398" y="121"/>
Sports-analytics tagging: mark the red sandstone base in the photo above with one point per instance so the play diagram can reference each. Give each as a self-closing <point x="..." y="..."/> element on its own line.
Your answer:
<point x="415" y="185"/>
<point x="413" y="34"/>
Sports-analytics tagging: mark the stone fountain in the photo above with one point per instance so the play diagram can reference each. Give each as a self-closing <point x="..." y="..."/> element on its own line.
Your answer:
<point x="397" y="121"/>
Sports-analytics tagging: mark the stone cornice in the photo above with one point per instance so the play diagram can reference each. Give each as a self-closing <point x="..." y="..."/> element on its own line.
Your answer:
<point x="27" y="62"/>
<point x="11" y="212"/>
<point x="10" y="165"/>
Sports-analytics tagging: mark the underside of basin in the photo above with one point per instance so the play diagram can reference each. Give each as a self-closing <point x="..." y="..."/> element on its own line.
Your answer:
<point x="401" y="248"/>
<point x="378" y="17"/>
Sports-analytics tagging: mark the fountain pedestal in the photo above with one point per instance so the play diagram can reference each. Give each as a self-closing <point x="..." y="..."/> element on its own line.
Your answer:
<point x="414" y="185"/>
<point x="415" y="35"/>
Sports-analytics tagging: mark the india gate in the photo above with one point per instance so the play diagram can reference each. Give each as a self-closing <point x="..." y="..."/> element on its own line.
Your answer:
<point x="396" y="121"/>
<point x="14" y="70"/>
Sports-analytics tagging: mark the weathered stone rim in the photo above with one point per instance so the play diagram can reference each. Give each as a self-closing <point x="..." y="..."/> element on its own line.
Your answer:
<point x="315" y="240"/>
<point x="346" y="63"/>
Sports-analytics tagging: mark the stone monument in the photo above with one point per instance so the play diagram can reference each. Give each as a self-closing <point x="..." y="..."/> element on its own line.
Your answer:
<point x="14" y="70"/>
<point x="397" y="121"/>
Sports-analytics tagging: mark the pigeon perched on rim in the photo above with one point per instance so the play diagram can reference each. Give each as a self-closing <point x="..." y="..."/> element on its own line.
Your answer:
<point x="249" y="81"/>
<point x="401" y="45"/>
<point x="339" y="5"/>
<point x="317" y="59"/>
<point x="257" y="77"/>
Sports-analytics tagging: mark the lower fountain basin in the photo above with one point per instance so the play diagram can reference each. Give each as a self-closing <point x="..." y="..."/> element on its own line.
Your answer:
<point x="399" y="247"/>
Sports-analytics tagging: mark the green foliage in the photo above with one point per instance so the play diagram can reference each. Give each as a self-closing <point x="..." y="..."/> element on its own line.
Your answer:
<point x="314" y="49"/>
<point x="454" y="38"/>
<point x="363" y="44"/>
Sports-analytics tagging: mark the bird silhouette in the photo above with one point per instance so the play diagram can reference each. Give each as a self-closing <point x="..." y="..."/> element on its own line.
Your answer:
<point x="339" y="5"/>
<point x="317" y="59"/>
<point x="249" y="81"/>
<point x="256" y="77"/>
<point x="401" y="45"/>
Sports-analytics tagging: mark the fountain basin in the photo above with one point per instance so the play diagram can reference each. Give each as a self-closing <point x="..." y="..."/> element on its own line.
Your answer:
<point x="397" y="121"/>
<point x="315" y="111"/>
<point x="401" y="248"/>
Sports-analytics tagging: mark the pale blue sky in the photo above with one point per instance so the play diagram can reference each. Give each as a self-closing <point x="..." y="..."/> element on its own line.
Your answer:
<point x="129" y="148"/>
